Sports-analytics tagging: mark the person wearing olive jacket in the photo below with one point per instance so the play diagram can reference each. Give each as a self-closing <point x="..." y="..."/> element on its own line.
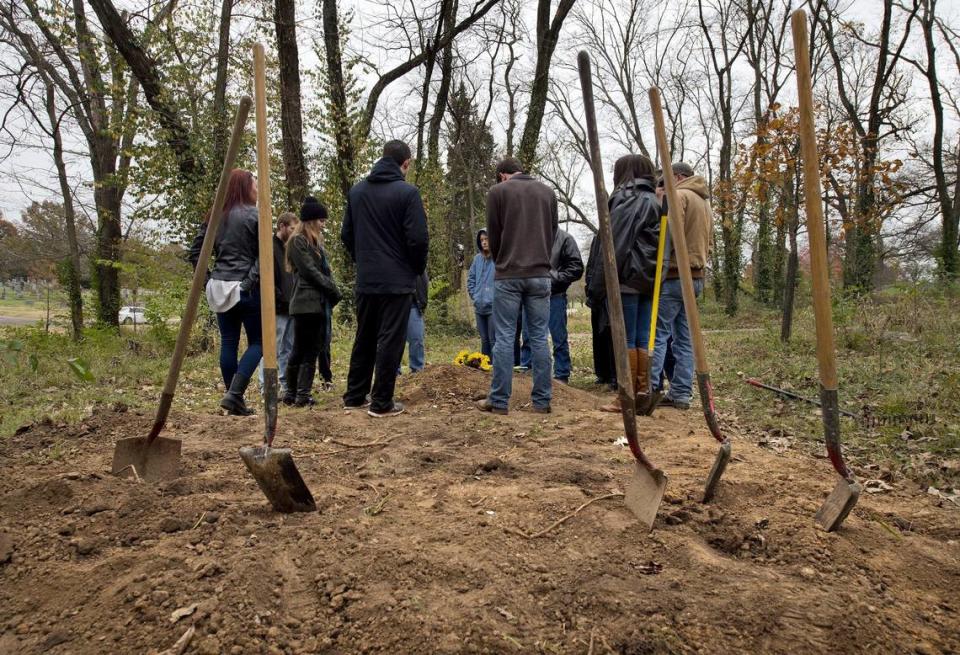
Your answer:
<point x="314" y="293"/>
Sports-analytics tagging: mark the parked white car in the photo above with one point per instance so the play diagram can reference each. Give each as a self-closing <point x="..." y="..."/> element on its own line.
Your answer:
<point x="131" y="315"/>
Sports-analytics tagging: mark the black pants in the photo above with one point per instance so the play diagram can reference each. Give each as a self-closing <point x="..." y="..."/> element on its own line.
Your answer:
<point x="378" y="345"/>
<point x="604" y="364"/>
<point x="309" y="336"/>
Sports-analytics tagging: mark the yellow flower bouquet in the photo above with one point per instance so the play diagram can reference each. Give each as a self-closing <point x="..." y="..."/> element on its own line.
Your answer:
<point x="472" y="360"/>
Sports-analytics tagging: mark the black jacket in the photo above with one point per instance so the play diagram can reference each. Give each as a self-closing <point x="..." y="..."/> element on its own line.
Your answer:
<point x="420" y="294"/>
<point x="593" y="280"/>
<point x="283" y="280"/>
<point x="235" y="251"/>
<point x="385" y="231"/>
<point x="635" y="221"/>
<point x="314" y="281"/>
<point x="566" y="264"/>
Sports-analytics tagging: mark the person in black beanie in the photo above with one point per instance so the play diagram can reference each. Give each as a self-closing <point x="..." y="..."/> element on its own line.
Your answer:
<point x="385" y="232"/>
<point x="314" y="293"/>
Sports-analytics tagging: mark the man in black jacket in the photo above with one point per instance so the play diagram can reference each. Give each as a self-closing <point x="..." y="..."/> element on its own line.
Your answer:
<point x="566" y="267"/>
<point x="385" y="232"/>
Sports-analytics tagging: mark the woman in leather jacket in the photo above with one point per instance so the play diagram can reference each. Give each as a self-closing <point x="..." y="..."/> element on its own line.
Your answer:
<point x="635" y="222"/>
<point x="233" y="287"/>
<point x="314" y="295"/>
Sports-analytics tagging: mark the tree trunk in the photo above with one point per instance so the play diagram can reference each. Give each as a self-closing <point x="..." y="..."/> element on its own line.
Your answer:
<point x="443" y="93"/>
<point x="291" y="119"/>
<point x="790" y="283"/>
<point x="548" y="32"/>
<point x="346" y="155"/>
<point x="220" y="85"/>
<point x="73" y="263"/>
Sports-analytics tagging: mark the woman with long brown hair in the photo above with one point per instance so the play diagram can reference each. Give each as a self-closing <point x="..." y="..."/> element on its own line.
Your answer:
<point x="233" y="288"/>
<point x="635" y="222"/>
<point x="314" y="295"/>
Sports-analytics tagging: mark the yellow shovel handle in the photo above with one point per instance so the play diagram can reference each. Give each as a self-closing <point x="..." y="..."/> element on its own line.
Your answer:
<point x="656" y="285"/>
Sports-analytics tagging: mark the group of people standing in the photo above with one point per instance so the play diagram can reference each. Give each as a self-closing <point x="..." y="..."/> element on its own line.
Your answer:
<point x="522" y="289"/>
<point x="517" y="282"/>
<point x="385" y="233"/>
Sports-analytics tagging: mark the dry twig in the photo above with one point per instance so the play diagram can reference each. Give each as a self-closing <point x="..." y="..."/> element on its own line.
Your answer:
<point x="182" y="643"/>
<point x="561" y="521"/>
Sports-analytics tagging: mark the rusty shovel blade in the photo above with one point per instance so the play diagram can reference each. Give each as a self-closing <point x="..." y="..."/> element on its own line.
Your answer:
<point x="644" y="492"/>
<point x="719" y="466"/>
<point x="153" y="462"/>
<point x="838" y="505"/>
<point x="278" y="478"/>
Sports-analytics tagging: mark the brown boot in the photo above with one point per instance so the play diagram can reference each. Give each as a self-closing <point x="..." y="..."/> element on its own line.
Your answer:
<point x="641" y="379"/>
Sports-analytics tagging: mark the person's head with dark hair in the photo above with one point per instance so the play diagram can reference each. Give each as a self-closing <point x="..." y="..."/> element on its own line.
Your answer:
<point x="507" y="168"/>
<point x="399" y="152"/>
<point x="632" y="167"/>
<point x="241" y="191"/>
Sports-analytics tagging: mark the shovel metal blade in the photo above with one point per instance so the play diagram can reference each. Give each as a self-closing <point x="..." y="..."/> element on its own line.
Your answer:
<point x="653" y="401"/>
<point x="719" y="466"/>
<point x="153" y="462"/>
<point x="838" y="505"/>
<point x="278" y="478"/>
<point x="644" y="492"/>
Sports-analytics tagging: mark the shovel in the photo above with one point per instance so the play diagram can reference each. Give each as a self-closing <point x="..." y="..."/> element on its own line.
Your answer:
<point x="272" y="468"/>
<point x="645" y="489"/>
<point x="652" y="398"/>
<point x="158" y="458"/>
<point x="689" y="300"/>
<point x="846" y="492"/>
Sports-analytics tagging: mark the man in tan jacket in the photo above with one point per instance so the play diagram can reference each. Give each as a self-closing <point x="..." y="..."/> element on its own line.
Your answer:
<point x="671" y="317"/>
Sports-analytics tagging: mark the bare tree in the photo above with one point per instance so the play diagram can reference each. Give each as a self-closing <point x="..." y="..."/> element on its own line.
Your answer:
<point x="291" y="117"/>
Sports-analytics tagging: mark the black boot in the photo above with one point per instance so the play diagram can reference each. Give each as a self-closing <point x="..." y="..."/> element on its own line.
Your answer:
<point x="233" y="400"/>
<point x="305" y="384"/>
<point x="290" y="384"/>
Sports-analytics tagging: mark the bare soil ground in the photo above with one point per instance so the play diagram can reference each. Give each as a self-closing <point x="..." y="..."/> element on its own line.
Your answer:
<point x="420" y="546"/>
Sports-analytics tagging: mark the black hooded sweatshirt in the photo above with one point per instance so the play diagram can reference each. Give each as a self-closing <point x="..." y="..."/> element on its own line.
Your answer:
<point x="385" y="231"/>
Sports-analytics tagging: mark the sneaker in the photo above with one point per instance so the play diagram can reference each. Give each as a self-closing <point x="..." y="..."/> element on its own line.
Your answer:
<point x="562" y="380"/>
<point x="486" y="406"/>
<point x="326" y="385"/>
<point x="545" y="409"/>
<point x="521" y="369"/>
<point x="676" y="404"/>
<point x="395" y="409"/>
<point x="363" y="405"/>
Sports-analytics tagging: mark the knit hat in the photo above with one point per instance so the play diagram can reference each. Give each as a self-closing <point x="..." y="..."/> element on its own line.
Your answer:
<point x="683" y="168"/>
<point x="312" y="210"/>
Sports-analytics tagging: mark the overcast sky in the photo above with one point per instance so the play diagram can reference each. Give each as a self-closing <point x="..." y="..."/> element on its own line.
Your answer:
<point x="27" y="173"/>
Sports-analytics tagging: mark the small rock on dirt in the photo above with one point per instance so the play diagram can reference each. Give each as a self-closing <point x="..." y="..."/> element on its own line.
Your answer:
<point x="808" y="573"/>
<point x="171" y="524"/>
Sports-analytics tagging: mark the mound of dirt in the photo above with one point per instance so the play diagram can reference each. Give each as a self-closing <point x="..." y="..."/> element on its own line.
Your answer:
<point x="423" y="540"/>
<point x="449" y="384"/>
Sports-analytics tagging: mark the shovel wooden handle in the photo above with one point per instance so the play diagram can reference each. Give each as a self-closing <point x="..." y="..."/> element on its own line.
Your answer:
<point x="611" y="279"/>
<point x="683" y="268"/>
<point x="200" y="272"/>
<point x="268" y="307"/>
<point x="816" y="233"/>
<point x="677" y="234"/>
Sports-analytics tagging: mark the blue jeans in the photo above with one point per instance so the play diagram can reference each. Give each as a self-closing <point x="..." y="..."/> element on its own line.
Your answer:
<point x="284" y="346"/>
<point x="558" y="336"/>
<point x="245" y="314"/>
<point x="636" y="318"/>
<point x="415" y="340"/>
<point x="487" y="336"/>
<point x="533" y="295"/>
<point x="672" y="323"/>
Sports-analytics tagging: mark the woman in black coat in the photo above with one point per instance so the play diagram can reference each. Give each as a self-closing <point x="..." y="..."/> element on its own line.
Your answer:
<point x="314" y="295"/>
